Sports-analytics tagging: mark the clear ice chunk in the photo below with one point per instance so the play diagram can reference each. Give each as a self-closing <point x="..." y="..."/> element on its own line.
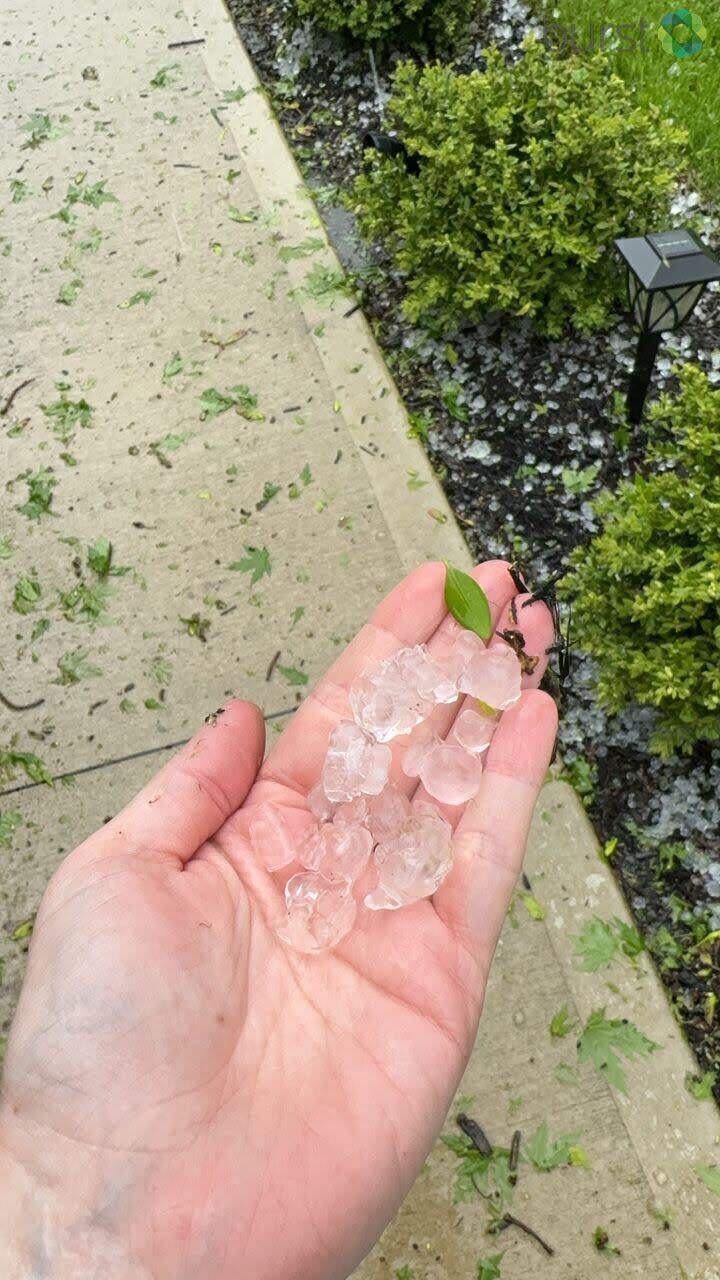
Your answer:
<point x="493" y="677"/>
<point x="388" y="813"/>
<point x="273" y="841"/>
<point x="473" y="731"/>
<point x="319" y="914"/>
<point x="339" y="851"/>
<point x="413" y="864"/>
<point x="386" y="702"/>
<point x="355" y="765"/>
<point x="447" y="771"/>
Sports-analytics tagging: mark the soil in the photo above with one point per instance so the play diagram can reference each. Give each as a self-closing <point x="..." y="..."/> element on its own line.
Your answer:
<point x="524" y="432"/>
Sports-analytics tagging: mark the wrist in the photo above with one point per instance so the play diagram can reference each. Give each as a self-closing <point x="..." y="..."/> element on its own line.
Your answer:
<point x="51" y="1228"/>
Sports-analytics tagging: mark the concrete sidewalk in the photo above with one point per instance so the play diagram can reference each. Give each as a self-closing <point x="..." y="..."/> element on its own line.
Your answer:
<point x="143" y="320"/>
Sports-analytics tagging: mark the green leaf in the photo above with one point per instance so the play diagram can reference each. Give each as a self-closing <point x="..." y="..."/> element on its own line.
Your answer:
<point x="6" y="547"/>
<point x="710" y="1175"/>
<point x="561" y="1024"/>
<point x="595" y="945"/>
<point x="86" y="604"/>
<point x="27" y="595"/>
<point x="142" y="295"/>
<point x="197" y="626"/>
<point x="292" y="675"/>
<point x="565" y="1074"/>
<point x="166" y="76"/>
<point x="31" y="765"/>
<point x="238" y="215"/>
<point x="41" y="626"/>
<point x="234" y="95"/>
<point x="601" y="1241"/>
<point x="467" y="602"/>
<point x="40" y="494"/>
<point x="547" y="1153"/>
<point x="450" y="393"/>
<point x="632" y="943"/>
<point x="99" y="556"/>
<point x="414" y="481"/>
<point x="603" y="1039"/>
<point x="535" y="909"/>
<point x="700" y="1086"/>
<point x="270" y="490"/>
<point x="172" y="368"/>
<point x="297" y="615"/>
<point x="313" y="244"/>
<point x="10" y="820"/>
<point x="489" y="1268"/>
<point x="74" y="667"/>
<point x="152" y="704"/>
<point x="66" y="415"/>
<point x="324" y="285"/>
<point x="67" y="293"/>
<point x="23" y="930"/>
<point x="256" y="562"/>
<point x="240" y="398"/>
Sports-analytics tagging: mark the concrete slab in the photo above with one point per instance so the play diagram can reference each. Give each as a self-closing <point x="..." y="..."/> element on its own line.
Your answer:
<point x="179" y="514"/>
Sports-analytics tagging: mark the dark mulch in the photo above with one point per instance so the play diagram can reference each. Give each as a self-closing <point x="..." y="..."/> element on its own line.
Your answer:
<point x="511" y="416"/>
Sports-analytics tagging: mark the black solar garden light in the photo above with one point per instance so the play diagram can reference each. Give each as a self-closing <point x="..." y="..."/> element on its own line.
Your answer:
<point x="667" y="274"/>
<point x="388" y="145"/>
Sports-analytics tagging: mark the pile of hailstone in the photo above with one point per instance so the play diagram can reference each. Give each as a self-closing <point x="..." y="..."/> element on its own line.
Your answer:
<point x="360" y="819"/>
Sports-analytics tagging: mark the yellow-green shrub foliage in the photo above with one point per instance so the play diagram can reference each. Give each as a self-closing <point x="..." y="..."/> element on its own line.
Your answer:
<point x="646" y="589"/>
<point x="380" y="21"/>
<point x="527" y="174"/>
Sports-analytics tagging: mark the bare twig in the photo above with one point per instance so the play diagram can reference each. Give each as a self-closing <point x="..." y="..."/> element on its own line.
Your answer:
<point x="185" y="44"/>
<point x="477" y="1136"/>
<point x="509" y="1220"/>
<point x="14" y="706"/>
<point x="8" y="403"/>
<point x="273" y="664"/>
<point x="514" y="1157"/>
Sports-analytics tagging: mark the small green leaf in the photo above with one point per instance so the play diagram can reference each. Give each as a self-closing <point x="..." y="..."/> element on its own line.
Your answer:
<point x="534" y="908"/>
<point x="561" y="1024"/>
<point x="565" y="1074"/>
<point x="292" y="675"/>
<point x="99" y="556"/>
<point x="10" y="820"/>
<point x="313" y="244"/>
<point x="74" y="667"/>
<point x="234" y="95"/>
<point x="256" y="563"/>
<point x="67" y="293"/>
<point x="700" y="1086"/>
<point x="601" y="1241"/>
<point x="27" y="595"/>
<point x="467" y="602"/>
<point x="23" y="930"/>
<point x="547" y="1153"/>
<point x="142" y="295"/>
<point x="6" y="547"/>
<point x="489" y="1268"/>
<point x="710" y="1175"/>
<point x="603" y="1039"/>
<point x="166" y="76"/>
<point x="172" y="368"/>
<point x="595" y="945"/>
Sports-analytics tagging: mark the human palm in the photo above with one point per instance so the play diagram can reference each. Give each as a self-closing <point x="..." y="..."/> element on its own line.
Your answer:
<point x="188" y="1097"/>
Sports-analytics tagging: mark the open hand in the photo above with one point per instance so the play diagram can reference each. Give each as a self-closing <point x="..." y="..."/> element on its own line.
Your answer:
<point x="185" y="1096"/>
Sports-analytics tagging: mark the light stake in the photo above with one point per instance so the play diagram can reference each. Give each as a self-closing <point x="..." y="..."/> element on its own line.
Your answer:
<point x="667" y="274"/>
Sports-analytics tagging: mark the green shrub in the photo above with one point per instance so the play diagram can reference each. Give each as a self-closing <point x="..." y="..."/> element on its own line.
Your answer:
<point x="527" y="174"/>
<point x="380" y="21"/>
<point x="646" y="589"/>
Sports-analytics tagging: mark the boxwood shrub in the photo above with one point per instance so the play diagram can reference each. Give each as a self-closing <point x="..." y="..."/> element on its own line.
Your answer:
<point x="526" y="175"/>
<point x="405" y="22"/>
<point x="646" y="589"/>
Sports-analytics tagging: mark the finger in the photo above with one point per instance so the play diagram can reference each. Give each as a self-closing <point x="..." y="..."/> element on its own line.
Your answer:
<point x="538" y="632"/>
<point x="410" y="614"/>
<point x="491" y="835"/>
<point x="193" y="795"/>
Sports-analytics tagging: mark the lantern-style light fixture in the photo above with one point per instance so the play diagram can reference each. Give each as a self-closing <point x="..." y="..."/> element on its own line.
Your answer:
<point x="667" y="274"/>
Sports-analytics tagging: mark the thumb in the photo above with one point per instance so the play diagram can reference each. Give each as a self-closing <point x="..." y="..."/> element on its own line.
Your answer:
<point x="192" y="796"/>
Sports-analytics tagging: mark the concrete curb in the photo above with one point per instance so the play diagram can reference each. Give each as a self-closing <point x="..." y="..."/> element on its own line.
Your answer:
<point x="669" y="1131"/>
<point x="366" y="394"/>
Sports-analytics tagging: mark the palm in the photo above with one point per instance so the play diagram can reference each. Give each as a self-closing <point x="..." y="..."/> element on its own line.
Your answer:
<point x="268" y="1110"/>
